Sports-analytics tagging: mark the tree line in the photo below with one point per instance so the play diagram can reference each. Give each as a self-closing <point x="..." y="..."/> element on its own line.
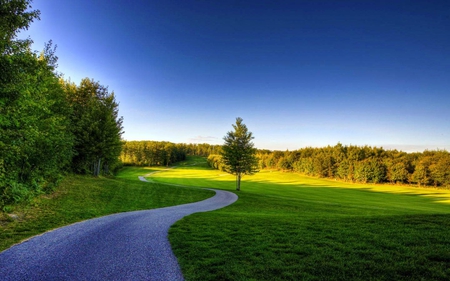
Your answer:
<point x="161" y="153"/>
<point x="363" y="164"/>
<point x="48" y="126"/>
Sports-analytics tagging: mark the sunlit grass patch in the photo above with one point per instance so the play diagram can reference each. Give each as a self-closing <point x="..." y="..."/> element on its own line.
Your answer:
<point x="288" y="227"/>
<point x="272" y="182"/>
<point x="132" y="173"/>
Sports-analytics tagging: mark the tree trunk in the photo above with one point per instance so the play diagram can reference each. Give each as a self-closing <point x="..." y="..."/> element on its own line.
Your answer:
<point x="106" y="169"/>
<point x="238" y="181"/>
<point x="97" y="167"/>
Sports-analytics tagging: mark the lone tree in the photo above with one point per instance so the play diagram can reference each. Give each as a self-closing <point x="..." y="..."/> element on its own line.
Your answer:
<point x="238" y="153"/>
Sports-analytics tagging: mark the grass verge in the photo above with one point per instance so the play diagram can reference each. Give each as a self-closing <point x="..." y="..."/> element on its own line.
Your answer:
<point x="288" y="227"/>
<point x="82" y="197"/>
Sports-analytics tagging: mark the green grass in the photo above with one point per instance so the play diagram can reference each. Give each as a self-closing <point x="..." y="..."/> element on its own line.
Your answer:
<point x="289" y="227"/>
<point x="283" y="227"/>
<point x="81" y="197"/>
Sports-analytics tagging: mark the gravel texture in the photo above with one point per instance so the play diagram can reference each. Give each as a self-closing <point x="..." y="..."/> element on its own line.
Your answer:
<point x="124" y="246"/>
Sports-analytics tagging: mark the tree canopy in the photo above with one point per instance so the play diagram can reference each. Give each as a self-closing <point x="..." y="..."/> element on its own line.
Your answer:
<point x="96" y="126"/>
<point x="47" y="126"/>
<point x="35" y="143"/>
<point x="238" y="152"/>
<point x="363" y="164"/>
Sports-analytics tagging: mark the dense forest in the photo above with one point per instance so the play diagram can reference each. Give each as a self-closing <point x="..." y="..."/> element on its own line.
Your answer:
<point x="153" y="153"/>
<point x="48" y="126"/>
<point x="359" y="164"/>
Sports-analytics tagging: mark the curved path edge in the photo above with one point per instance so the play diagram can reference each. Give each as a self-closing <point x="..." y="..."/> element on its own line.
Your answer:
<point x="124" y="246"/>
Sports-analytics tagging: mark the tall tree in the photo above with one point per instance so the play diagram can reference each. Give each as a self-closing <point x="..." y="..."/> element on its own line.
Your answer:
<point x="96" y="126"/>
<point x="238" y="153"/>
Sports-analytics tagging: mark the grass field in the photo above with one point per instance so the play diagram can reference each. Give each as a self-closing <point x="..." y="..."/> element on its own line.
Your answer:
<point x="283" y="227"/>
<point x="83" y="197"/>
<point x="289" y="227"/>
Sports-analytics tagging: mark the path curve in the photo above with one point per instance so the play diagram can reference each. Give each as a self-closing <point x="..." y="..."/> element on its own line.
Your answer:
<point x="124" y="246"/>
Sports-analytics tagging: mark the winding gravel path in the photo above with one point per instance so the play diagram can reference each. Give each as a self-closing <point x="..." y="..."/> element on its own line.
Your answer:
<point x="124" y="246"/>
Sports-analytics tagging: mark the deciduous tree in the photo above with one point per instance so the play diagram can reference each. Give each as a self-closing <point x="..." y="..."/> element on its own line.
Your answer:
<point x="96" y="126"/>
<point x="35" y="144"/>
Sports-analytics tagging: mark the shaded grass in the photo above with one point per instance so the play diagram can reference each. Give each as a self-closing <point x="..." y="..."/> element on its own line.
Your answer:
<point x="79" y="198"/>
<point x="289" y="227"/>
<point x="288" y="248"/>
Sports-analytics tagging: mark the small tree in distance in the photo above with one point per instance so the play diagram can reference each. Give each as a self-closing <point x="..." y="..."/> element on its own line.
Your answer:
<point x="238" y="153"/>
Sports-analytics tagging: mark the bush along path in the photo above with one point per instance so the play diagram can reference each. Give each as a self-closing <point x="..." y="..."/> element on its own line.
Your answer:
<point x="124" y="246"/>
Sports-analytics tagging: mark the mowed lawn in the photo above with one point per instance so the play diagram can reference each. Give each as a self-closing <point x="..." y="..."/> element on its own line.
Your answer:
<point x="83" y="197"/>
<point x="289" y="227"/>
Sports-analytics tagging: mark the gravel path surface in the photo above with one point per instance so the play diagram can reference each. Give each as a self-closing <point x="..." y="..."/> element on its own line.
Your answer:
<point x="124" y="246"/>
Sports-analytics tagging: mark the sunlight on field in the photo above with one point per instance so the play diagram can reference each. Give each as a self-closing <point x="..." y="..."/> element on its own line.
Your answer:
<point x="203" y="176"/>
<point x="129" y="172"/>
<point x="293" y="227"/>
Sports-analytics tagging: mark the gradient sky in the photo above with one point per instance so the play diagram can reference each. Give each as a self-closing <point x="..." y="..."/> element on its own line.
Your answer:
<point x="300" y="73"/>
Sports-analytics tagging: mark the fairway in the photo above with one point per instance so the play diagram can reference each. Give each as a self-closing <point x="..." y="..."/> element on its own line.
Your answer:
<point x="289" y="227"/>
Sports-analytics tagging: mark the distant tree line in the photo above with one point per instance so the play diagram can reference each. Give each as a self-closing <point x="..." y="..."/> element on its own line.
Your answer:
<point x="363" y="164"/>
<point x="151" y="153"/>
<point x="48" y="126"/>
<point x="202" y="149"/>
<point x="161" y="153"/>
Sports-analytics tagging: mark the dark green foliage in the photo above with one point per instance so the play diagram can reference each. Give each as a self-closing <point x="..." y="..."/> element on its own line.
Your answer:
<point x="152" y="153"/>
<point x="45" y="121"/>
<point x="238" y="153"/>
<point x="35" y="144"/>
<point x="14" y="17"/>
<point x="363" y="164"/>
<point x="96" y="126"/>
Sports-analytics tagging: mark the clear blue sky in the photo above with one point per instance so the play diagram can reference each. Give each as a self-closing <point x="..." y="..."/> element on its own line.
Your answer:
<point x="300" y="73"/>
